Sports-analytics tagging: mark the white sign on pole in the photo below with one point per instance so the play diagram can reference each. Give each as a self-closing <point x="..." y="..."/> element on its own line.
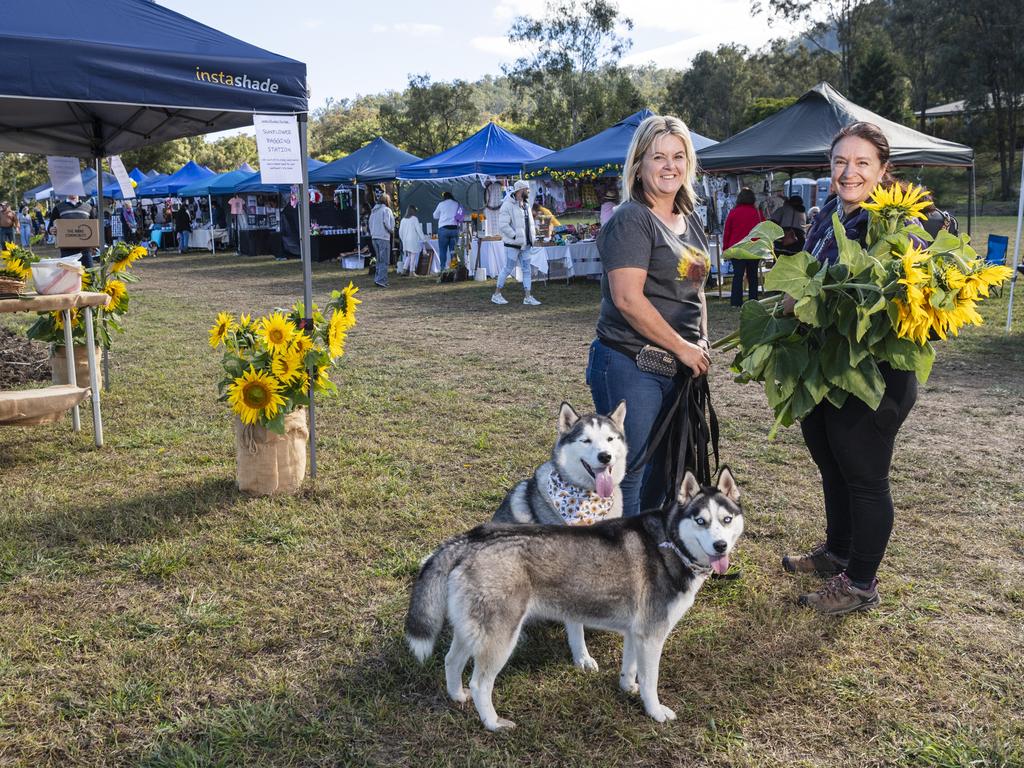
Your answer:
<point x="123" y="179"/>
<point x="277" y="143"/>
<point x="65" y="175"/>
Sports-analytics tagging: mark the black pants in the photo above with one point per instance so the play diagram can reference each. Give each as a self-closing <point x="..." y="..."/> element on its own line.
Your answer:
<point x="741" y="267"/>
<point x="852" y="447"/>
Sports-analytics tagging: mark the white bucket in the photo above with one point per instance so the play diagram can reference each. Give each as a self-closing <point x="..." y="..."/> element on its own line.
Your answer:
<point x="62" y="275"/>
<point x="480" y="275"/>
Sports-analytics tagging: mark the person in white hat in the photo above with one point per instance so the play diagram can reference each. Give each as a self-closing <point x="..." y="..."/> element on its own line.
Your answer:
<point x="518" y="233"/>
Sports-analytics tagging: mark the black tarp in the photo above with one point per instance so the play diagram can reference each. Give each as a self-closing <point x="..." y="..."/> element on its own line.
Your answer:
<point x="800" y="137"/>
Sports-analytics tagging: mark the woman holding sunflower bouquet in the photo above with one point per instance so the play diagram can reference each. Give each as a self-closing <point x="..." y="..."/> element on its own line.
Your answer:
<point x="852" y="445"/>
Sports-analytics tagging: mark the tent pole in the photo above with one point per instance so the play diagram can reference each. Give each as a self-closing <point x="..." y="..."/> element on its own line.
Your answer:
<point x="99" y="208"/>
<point x="307" y="280"/>
<point x="359" y="228"/>
<point x="1016" y="248"/>
<point x="209" y="208"/>
<point x="971" y="199"/>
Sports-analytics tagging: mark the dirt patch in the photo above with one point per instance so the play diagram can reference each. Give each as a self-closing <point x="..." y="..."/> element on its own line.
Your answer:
<point x="21" y="360"/>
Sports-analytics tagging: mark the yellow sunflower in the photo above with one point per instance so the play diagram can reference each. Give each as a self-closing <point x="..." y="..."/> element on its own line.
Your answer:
<point x="336" y="336"/>
<point x="58" y="319"/>
<point x="277" y="332"/>
<point x="244" y="321"/>
<point x="254" y="396"/>
<point x="351" y="302"/>
<point x="224" y="325"/>
<point x="287" y="366"/>
<point x="18" y="268"/>
<point x="896" y="203"/>
<point x="117" y="291"/>
<point x="322" y="379"/>
<point x="913" y="274"/>
<point x="955" y="279"/>
<point x="301" y="343"/>
<point x="128" y="258"/>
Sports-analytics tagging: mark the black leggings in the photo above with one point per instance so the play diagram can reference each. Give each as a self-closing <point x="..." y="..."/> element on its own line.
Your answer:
<point x="852" y="447"/>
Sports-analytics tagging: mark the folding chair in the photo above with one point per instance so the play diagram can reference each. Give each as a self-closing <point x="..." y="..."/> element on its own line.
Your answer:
<point x="996" y="254"/>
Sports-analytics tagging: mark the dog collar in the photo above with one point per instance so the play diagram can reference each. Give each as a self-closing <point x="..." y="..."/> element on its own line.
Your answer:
<point x="697" y="568"/>
<point x="577" y="506"/>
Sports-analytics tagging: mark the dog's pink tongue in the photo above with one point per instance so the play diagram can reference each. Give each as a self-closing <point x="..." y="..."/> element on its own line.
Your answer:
<point x="720" y="564"/>
<point x="603" y="483"/>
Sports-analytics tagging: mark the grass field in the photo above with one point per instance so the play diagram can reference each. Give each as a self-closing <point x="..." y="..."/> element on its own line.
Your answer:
<point x="150" y="615"/>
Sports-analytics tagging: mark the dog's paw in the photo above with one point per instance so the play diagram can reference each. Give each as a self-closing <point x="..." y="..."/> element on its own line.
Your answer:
<point x="629" y="686"/>
<point x="661" y="713"/>
<point x="460" y="696"/>
<point x="501" y="724"/>
<point x="586" y="663"/>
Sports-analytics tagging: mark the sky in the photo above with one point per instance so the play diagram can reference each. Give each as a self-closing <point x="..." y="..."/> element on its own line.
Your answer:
<point x="353" y="48"/>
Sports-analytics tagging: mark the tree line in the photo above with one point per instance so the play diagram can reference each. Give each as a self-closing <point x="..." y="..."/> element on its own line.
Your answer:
<point x="894" y="57"/>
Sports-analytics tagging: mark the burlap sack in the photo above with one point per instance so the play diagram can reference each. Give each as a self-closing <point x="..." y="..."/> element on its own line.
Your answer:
<point x="29" y="407"/>
<point x="269" y="463"/>
<point x="59" y="366"/>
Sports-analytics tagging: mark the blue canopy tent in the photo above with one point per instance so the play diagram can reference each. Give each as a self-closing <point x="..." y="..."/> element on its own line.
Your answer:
<point x="108" y="184"/>
<point x="253" y="183"/>
<point x="190" y="173"/>
<point x="152" y="181"/>
<point x="153" y="173"/>
<point x="606" y="149"/>
<point x="136" y="74"/>
<point x="137" y="176"/>
<point x="491" y="151"/>
<point x="208" y="187"/>
<point x="373" y="163"/>
<point x="29" y="196"/>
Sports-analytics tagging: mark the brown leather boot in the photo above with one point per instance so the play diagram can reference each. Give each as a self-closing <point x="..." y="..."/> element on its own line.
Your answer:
<point x="818" y="561"/>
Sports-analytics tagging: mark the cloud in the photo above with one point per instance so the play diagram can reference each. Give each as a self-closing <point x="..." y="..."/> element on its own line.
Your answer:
<point x="313" y="23"/>
<point x="506" y="10"/>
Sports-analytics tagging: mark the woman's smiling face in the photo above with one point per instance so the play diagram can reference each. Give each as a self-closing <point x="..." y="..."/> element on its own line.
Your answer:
<point x="856" y="170"/>
<point x="663" y="169"/>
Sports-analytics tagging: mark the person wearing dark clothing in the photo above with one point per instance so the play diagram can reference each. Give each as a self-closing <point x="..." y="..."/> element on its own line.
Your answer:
<point x="792" y="217"/>
<point x="73" y="208"/>
<point x="852" y="445"/>
<point x="741" y="219"/>
<point x="183" y="226"/>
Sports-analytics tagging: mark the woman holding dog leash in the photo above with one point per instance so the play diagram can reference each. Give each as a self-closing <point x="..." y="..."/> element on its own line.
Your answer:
<point x="852" y="445"/>
<point x="651" y="320"/>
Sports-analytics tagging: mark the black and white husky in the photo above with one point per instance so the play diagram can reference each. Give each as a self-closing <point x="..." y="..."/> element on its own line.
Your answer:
<point x="579" y="485"/>
<point x="636" y="576"/>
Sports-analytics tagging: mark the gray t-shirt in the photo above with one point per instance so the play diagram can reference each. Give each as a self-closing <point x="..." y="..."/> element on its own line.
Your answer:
<point x="635" y="237"/>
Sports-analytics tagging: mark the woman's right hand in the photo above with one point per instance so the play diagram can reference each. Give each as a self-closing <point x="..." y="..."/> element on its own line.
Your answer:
<point x="788" y="304"/>
<point x="695" y="357"/>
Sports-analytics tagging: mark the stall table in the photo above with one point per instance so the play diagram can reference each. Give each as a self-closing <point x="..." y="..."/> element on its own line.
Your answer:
<point x="254" y="242"/>
<point x="328" y="247"/>
<point x="34" y="405"/>
<point x="203" y="238"/>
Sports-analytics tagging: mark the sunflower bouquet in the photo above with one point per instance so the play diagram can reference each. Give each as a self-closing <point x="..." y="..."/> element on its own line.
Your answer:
<point x="111" y="274"/>
<point x="15" y="267"/>
<point x="269" y="361"/>
<point x="883" y="302"/>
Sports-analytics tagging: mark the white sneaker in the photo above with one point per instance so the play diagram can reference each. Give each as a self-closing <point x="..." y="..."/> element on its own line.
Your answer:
<point x="497" y="298"/>
<point x="531" y="302"/>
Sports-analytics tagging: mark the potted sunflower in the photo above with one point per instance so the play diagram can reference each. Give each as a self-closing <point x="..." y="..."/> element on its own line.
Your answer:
<point x="111" y="274"/>
<point x="269" y="364"/>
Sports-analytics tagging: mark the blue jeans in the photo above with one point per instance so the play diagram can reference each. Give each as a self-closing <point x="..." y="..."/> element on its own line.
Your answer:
<point x="447" y="237"/>
<point x="515" y="256"/>
<point x="183" y="241"/>
<point x="741" y="267"/>
<point x="612" y="377"/>
<point x="383" y="250"/>
<point x="26" y="234"/>
<point x="6" y="236"/>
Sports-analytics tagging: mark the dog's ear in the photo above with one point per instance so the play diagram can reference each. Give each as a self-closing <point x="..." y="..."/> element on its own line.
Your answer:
<point x="618" y="416"/>
<point x="727" y="485"/>
<point x="689" y="488"/>
<point x="566" y="418"/>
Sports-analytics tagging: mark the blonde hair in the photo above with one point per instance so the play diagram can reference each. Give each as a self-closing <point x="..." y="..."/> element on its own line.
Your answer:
<point x="647" y="132"/>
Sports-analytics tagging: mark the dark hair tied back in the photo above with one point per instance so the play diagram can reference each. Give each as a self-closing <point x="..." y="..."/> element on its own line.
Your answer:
<point x="872" y="134"/>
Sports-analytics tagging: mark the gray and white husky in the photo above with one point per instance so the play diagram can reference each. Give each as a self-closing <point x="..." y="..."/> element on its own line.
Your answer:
<point x="587" y="464"/>
<point x="636" y="576"/>
<point x="578" y="485"/>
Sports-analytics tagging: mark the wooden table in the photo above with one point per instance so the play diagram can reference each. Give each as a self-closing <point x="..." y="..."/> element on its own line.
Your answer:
<point x="63" y="303"/>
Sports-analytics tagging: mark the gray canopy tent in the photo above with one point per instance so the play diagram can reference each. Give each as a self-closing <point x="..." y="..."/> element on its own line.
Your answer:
<point x="800" y="136"/>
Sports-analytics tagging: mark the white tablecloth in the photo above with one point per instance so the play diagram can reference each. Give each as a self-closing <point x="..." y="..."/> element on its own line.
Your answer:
<point x="201" y="238"/>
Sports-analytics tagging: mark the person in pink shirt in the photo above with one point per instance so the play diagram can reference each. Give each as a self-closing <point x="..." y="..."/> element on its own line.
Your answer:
<point x="741" y="219"/>
<point x="236" y="205"/>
